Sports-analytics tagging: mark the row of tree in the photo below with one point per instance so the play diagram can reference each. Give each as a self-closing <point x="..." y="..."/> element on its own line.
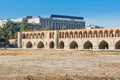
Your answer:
<point x="9" y="31"/>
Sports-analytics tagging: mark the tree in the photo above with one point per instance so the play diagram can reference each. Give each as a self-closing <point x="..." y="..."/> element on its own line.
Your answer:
<point x="24" y="25"/>
<point x="11" y="29"/>
<point x="7" y="32"/>
<point x="4" y="37"/>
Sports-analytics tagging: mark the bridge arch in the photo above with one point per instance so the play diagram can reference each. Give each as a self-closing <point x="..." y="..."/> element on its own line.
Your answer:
<point x="100" y="33"/>
<point x="117" y="45"/>
<point x="103" y="45"/>
<point x="29" y="45"/>
<point x="71" y="34"/>
<point x="80" y="34"/>
<point x="85" y="34"/>
<point x="51" y="45"/>
<point x="106" y="33"/>
<point x="111" y="33"/>
<point x="63" y="34"/>
<point x="88" y="45"/>
<point x="59" y="34"/>
<point x="90" y="34"/>
<point x="117" y="33"/>
<point x="23" y="36"/>
<point x="66" y="35"/>
<point x="73" y="45"/>
<point x="95" y="34"/>
<point x="61" y="45"/>
<point x="40" y="45"/>
<point x="75" y="34"/>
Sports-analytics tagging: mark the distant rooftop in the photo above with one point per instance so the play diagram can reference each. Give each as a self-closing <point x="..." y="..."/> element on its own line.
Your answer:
<point x="65" y="16"/>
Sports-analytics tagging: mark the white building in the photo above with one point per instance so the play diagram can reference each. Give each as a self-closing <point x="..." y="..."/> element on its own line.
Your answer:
<point x="35" y="20"/>
<point x="92" y="27"/>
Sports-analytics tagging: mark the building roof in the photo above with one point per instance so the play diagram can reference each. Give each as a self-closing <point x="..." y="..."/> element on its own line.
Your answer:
<point x="68" y="17"/>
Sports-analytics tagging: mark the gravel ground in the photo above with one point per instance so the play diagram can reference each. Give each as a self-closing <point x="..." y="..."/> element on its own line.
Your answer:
<point x="60" y="65"/>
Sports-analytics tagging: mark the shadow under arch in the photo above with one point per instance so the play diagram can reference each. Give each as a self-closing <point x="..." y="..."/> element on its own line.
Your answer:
<point x="51" y="45"/>
<point x="61" y="45"/>
<point x="73" y="45"/>
<point x="103" y="45"/>
<point x="40" y="45"/>
<point x="117" y="45"/>
<point x="88" y="45"/>
<point x="29" y="45"/>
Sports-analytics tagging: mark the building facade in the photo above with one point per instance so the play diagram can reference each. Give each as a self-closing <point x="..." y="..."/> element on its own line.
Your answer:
<point x="59" y="22"/>
<point x="53" y="22"/>
<point x="71" y="39"/>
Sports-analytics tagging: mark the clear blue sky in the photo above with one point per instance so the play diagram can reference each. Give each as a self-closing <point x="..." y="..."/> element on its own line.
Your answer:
<point x="99" y="12"/>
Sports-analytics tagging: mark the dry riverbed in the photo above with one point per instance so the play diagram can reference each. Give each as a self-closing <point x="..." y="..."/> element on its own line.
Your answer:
<point x="59" y="65"/>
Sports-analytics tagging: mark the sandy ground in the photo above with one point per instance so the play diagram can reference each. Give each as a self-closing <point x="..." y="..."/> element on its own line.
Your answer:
<point x="59" y="65"/>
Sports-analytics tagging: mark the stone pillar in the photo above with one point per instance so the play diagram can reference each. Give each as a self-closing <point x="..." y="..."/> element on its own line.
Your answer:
<point x="56" y="38"/>
<point x="111" y="48"/>
<point x="80" y="47"/>
<point x="46" y="39"/>
<point x="95" y="47"/>
<point x="19" y="40"/>
<point x="66" y="47"/>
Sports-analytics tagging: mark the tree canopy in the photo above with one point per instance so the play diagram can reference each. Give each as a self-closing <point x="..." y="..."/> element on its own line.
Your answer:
<point x="7" y="31"/>
<point x="24" y="25"/>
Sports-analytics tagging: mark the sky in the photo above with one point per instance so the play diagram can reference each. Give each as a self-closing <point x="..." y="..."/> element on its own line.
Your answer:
<point x="105" y="13"/>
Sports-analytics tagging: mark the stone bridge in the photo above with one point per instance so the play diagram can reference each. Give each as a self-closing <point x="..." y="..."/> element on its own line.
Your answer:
<point x="104" y="38"/>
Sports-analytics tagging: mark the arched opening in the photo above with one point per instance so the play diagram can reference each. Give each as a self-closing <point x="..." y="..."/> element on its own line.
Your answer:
<point x="75" y="34"/>
<point x="90" y="34"/>
<point x="88" y="45"/>
<point x="59" y="34"/>
<point x="100" y="33"/>
<point x="95" y="34"/>
<point x="117" y="45"/>
<point x="31" y="36"/>
<point x="62" y="34"/>
<point x="28" y="36"/>
<point x="80" y="34"/>
<point x="51" y="45"/>
<point x="66" y="35"/>
<point x="50" y="35"/>
<point x="23" y="36"/>
<point x="105" y="33"/>
<point x="71" y="34"/>
<point x="29" y="45"/>
<point x="111" y="33"/>
<point x="34" y="36"/>
<point x="61" y="44"/>
<point x="38" y="35"/>
<point x="40" y="45"/>
<point x="42" y="35"/>
<point x="85" y="34"/>
<point x="117" y="32"/>
<point x="73" y="45"/>
<point x="103" y="45"/>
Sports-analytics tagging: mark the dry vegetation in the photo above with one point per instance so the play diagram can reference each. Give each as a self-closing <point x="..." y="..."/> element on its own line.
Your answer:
<point x="18" y="64"/>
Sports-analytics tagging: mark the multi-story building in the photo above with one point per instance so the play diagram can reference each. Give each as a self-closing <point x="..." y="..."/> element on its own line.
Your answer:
<point x="59" y="22"/>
